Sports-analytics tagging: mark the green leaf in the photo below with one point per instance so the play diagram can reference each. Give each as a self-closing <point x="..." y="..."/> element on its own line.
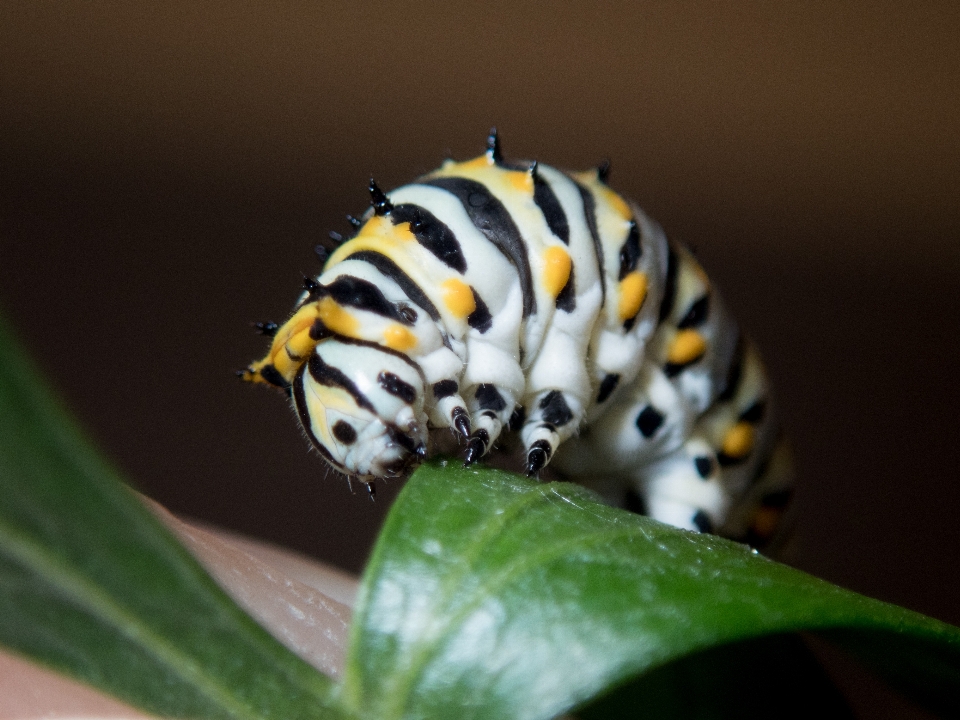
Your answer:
<point x="92" y="584"/>
<point x="492" y="596"/>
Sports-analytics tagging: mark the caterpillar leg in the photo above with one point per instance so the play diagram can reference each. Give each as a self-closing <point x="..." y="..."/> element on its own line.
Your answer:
<point x="555" y="418"/>
<point x="493" y="382"/>
<point x="490" y="409"/>
<point x="448" y="408"/>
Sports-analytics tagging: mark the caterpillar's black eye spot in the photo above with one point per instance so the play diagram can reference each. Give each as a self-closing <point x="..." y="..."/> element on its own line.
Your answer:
<point x="702" y="522"/>
<point x="477" y="200"/>
<point x="649" y="421"/>
<point x="344" y="432"/>
<point x="704" y="466"/>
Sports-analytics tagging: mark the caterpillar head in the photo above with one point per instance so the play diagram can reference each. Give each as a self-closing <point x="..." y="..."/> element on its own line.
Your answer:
<point x="361" y="405"/>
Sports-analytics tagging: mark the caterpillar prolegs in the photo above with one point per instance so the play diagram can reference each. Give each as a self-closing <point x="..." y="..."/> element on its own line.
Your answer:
<point x="493" y="298"/>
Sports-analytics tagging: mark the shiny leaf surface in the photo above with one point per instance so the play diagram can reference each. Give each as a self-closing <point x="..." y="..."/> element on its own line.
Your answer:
<point x="493" y="596"/>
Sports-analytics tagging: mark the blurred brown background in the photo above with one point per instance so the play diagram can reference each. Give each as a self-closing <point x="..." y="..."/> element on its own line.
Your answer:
<point x="167" y="169"/>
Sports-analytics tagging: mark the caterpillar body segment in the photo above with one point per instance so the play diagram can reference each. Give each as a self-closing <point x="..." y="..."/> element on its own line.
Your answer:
<point x="491" y="297"/>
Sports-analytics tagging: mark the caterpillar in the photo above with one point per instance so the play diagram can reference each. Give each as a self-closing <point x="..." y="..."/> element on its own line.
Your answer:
<point x="512" y="299"/>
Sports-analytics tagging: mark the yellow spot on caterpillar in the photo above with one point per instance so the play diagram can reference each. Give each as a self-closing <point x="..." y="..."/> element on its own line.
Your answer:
<point x="397" y="337"/>
<point x="458" y="297"/>
<point x="633" y="291"/>
<point x="379" y="235"/>
<point x="587" y="177"/>
<point x="617" y="203"/>
<point x="556" y="269"/>
<point x="738" y="441"/>
<point x="687" y="346"/>
<point x="765" y="521"/>
<point x="403" y="232"/>
<point x="484" y="170"/>
<point x="521" y="181"/>
<point x="484" y="161"/>
<point x="381" y="226"/>
<point x="336" y="318"/>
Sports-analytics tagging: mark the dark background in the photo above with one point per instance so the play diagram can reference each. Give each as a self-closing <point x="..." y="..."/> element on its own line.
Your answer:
<point x="167" y="170"/>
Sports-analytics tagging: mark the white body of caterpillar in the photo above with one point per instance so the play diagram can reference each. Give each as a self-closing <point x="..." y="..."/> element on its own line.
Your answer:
<point x="489" y="297"/>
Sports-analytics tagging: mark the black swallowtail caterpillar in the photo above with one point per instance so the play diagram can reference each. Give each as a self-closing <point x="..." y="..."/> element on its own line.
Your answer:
<point x="492" y="297"/>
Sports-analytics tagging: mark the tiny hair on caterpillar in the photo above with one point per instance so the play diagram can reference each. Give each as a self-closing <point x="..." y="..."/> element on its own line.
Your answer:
<point x="511" y="300"/>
